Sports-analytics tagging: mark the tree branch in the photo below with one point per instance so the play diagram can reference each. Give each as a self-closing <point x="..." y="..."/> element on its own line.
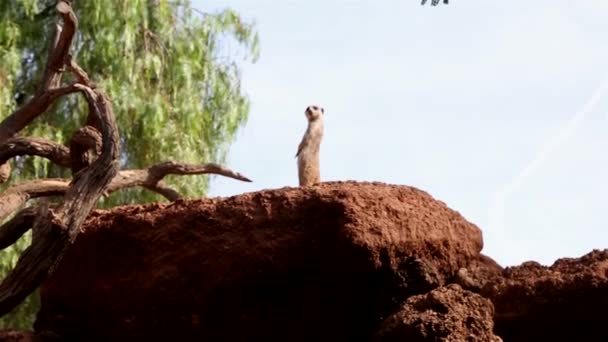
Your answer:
<point x="151" y="178"/>
<point x="21" y="146"/>
<point x="5" y="172"/>
<point x="159" y="171"/>
<point x="88" y="137"/>
<point x="84" y="139"/>
<point x="32" y="109"/>
<point x="47" y="93"/>
<point x="35" y="263"/>
<point x="12" y="230"/>
<point x="57" y="228"/>
<point x="16" y="196"/>
<point x="164" y="190"/>
<point x="89" y="183"/>
<point x="80" y="74"/>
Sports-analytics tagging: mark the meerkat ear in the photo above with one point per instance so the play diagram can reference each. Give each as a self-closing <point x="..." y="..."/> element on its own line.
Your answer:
<point x="322" y="110"/>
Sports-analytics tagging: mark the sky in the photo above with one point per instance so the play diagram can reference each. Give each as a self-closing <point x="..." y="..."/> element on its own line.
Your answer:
<point x="497" y="108"/>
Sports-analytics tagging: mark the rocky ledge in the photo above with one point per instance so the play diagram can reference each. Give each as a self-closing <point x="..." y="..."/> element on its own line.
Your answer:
<point x="341" y="261"/>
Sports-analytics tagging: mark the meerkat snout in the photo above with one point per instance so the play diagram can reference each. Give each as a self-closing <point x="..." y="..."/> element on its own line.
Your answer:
<point x="308" y="150"/>
<point x="314" y="112"/>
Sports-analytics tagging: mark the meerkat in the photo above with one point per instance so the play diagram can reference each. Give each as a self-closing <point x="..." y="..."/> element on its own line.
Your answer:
<point x="308" y="150"/>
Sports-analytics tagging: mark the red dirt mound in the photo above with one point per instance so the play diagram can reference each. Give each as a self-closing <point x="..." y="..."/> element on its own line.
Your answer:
<point x="321" y="263"/>
<point x="445" y="314"/>
<point x="15" y="336"/>
<point x="340" y="261"/>
<point x="565" y="302"/>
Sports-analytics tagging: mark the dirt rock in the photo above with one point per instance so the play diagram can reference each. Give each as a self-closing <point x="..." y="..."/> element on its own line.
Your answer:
<point x="15" y="336"/>
<point x="321" y="263"/>
<point x="565" y="302"/>
<point x="480" y="274"/>
<point x="447" y="313"/>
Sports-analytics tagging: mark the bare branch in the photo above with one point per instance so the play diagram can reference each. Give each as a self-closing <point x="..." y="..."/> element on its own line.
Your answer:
<point x="80" y="74"/>
<point x="159" y="171"/>
<point x="52" y="76"/>
<point x="79" y="147"/>
<point x="35" y="263"/>
<point x="89" y="183"/>
<point x="57" y="228"/>
<point x="20" y="146"/>
<point x="151" y="178"/>
<point x="164" y="190"/>
<point x="84" y="139"/>
<point x="12" y="230"/>
<point x="47" y="93"/>
<point x="5" y="172"/>
<point x="59" y="55"/>
<point x="16" y="196"/>
<point x="37" y="105"/>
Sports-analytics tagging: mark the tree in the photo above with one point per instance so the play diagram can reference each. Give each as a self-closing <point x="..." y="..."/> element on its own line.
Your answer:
<point x="173" y="86"/>
<point x="170" y="75"/>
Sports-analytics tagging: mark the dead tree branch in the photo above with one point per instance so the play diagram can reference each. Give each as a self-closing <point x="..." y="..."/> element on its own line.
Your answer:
<point x="30" y="146"/>
<point x="93" y="156"/>
<point x="151" y="178"/>
<point x="48" y="92"/>
<point x="84" y="140"/>
<point x="57" y="228"/>
<point x="12" y="230"/>
<point x="16" y="196"/>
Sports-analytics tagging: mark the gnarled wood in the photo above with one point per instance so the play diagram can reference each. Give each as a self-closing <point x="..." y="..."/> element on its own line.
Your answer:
<point x="5" y="172"/>
<point x="57" y="228"/>
<point x="31" y="146"/>
<point x="151" y="178"/>
<point x="47" y="93"/>
<point x="12" y="230"/>
<point x="32" y="109"/>
<point x="93" y="174"/>
<point x="16" y="196"/>
<point x="84" y="139"/>
<point x="88" y="137"/>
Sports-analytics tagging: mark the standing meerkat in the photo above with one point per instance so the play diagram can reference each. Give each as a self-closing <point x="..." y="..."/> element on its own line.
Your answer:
<point x="308" y="150"/>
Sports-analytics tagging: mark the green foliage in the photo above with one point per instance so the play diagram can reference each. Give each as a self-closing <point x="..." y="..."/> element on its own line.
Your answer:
<point x="174" y="83"/>
<point x="170" y="71"/>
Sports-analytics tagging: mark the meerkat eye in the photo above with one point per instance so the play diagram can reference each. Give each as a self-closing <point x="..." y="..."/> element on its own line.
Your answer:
<point x="315" y="108"/>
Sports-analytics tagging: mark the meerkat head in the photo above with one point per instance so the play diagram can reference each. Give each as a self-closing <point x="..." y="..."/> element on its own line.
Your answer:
<point x="314" y="112"/>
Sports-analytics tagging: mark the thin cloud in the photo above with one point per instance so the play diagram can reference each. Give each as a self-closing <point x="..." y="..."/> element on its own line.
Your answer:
<point x="497" y="207"/>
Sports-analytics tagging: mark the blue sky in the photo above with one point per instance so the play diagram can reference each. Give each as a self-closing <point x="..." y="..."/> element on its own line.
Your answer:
<point x="497" y="108"/>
